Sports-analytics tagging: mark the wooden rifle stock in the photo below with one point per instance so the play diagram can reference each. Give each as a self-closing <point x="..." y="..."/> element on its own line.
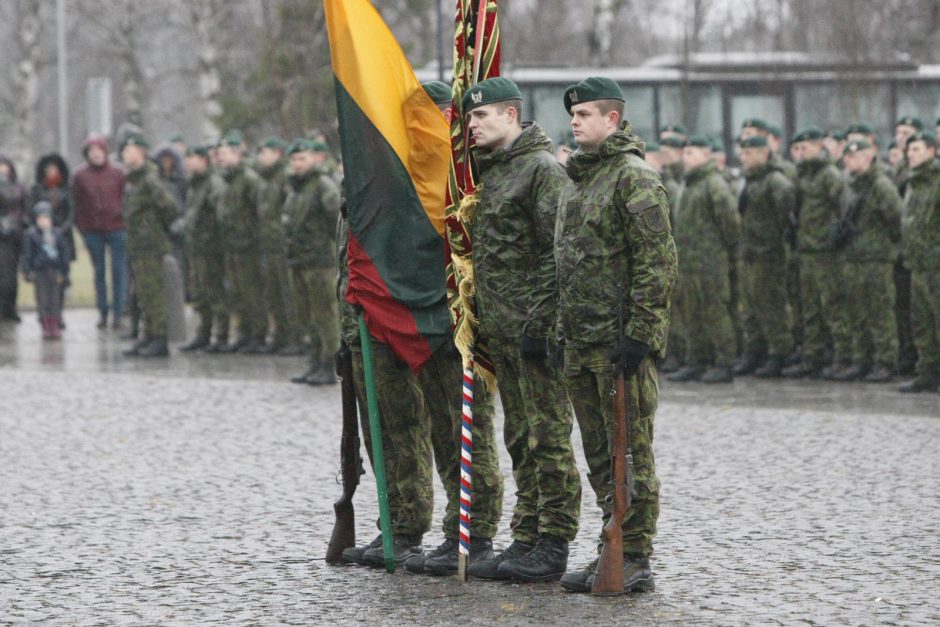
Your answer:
<point x="344" y="527"/>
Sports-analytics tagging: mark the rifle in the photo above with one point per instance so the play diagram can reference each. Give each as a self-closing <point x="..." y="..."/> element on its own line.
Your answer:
<point x="608" y="580"/>
<point x="344" y="528"/>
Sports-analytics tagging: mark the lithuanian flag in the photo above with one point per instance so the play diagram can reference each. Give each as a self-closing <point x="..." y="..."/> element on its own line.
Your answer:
<point x="396" y="156"/>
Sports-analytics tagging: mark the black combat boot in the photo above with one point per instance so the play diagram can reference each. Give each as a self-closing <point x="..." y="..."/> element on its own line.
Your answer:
<point x="811" y="368"/>
<point x="748" y="363"/>
<point x="139" y="344"/>
<point x="218" y="345"/>
<point x="353" y="554"/>
<point x="416" y="563"/>
<point x="923" y="383"/>
<point x="236" y="346"/>
<point x="718" y="374"/>
<point x="637" y="576"/>
<point x="313" y="368"/>
<point x="156" y="348"/>
<point x="853" y="373"/>
<point x="830" y="372"/>
<point x="292" y="350"/>
<point x="546" y="562"/>
<point x="446" y="564"/>
<point x="488" y="568"/>
<point x="771" y="368"/>
<point x="195" y="344"/>
<point x="403" y="549"/>
<point x="692" y="372"/>
<point x="881" y="373"/>
<point x="670" y="364"/>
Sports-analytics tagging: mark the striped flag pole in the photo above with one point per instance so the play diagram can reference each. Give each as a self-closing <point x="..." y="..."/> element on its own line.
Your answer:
<point x="466" y="473"/>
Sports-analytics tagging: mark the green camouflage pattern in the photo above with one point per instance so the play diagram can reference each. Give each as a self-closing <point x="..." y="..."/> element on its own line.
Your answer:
<point x="240" y="226"/>
<point x="766" y="203"/>
<point x="825" y="294"/>
<point x="613" y="228"/>
<point x="512" y="233"/>
<point x="348" y="318"/>
<point x="149" y="210"/>
<point x="921" y="219"/>
<point x="785" y="167"/>
<point x="821" y="187"/>
<point x="877" y="228"/>
<point x="205" y="253"/>
<point x="925" y="306"/>
<point x="870" y="312"/>
<point x="537" y="434"/>
<point x="767" y="315"/>
<point x="280" y="304"/>
<point x="406" y="440"/>
<point x="706" y="233"/>
<point x="441" y="384"/>
<point x="246" y="294"/>
<point x="589" y="376"/>
<point x="313" y="289"/>
<point x="310" y="213"/>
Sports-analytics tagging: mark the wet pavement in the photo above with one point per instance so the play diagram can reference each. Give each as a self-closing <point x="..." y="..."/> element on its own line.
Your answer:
<point x="199" y="489"/>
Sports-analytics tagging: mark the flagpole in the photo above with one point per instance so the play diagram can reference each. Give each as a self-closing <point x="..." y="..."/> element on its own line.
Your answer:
<point x="466" y="473"/>
<point x="378" y="456"/>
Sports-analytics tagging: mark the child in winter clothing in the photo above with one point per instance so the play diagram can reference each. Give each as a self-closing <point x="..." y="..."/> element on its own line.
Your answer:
<point x="45" y="263"/>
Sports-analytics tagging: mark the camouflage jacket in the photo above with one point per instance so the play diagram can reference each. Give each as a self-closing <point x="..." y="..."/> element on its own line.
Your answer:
<point x="787" y="168"/>
<point x="203" y="203"/>
<point x="348" y="318"/>
<point x="765" y="205"/>
<point x="820" y="187"/>
<point x="613" y="228"/>
<point x="149" y="210"/>
<point x="273" y="195"/>
<point x="240" y="209"/>
<point x="513" y="237"/>
<point x="921" y="219"/>
<point x="877" y="226"/>
<point x="309" y="215"/>
<point x="672" y="181"/>
<point x="707" y="226"/>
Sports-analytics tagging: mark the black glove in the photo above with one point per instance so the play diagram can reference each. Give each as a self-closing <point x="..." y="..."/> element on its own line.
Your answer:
<point x="627" y="355"/>
<point x="341" y="358"/>
<point x="534" y="348"/>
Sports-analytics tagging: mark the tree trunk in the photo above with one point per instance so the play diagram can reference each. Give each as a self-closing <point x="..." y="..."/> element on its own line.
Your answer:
<point x="600" y="37"/>
<point x="29" y="22"/>
<point x="205" y="18"/>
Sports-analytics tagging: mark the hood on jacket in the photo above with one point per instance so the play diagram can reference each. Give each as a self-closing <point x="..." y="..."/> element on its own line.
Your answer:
<point x="55" y="158"/>
<point x="94" y="140"/>
<point x="9" y="162"/>
<point x="165" y="150"/>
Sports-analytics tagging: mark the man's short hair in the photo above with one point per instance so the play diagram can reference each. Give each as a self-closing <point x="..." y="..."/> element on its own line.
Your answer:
<point x="611" y="104"/>
<point x="515" y="103"/>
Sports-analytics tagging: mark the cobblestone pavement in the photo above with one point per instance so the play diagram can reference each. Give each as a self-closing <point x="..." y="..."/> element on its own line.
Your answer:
<point x="199" y="490"/>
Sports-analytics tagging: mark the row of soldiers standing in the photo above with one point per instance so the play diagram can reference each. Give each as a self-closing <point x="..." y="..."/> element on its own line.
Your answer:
<point x="805" y="269"/>
<point x="258" y="245"/>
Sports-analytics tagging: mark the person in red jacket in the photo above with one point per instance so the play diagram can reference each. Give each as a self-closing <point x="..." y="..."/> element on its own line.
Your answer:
<point x="98" y="196"/>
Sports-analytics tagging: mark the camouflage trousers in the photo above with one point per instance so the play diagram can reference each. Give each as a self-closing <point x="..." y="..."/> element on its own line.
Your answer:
<point x="925" y="305"/>
<point x="676" y="340"/>
<point x="314" y="290"/>
<point x="537" y="433"/>
<point x="151" y="298"/>
<point x="706" y="317"/>
<point x="822" y="283"/>
<point x="207" y="289"/>
<point x="589" y="374"/>
<point x="870" y="311"/>
<point x="794" y="297"/>
<point x="406" y="440"/>
<point x="767" y="312"/>
<point x="280" y="304"/>
<point x="907" y="350"/>
<point x="243" y="271"/>
<point x="441" y="383"/>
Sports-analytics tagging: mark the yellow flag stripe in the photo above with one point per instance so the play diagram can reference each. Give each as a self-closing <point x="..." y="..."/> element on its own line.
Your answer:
<point x="371" y="66"/>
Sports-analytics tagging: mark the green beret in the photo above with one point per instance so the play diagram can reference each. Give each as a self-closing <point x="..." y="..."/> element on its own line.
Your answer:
<point x="909" y="120"/>
<point x="199" y="151"/>
<point x="810" y="133"/>
<point x="774" y="130"/>
<point x="652" y="147"/>
<point x="672" y="142"/>
<point x="591" y="89"/>
<point x="717" y="145"/>
<point x="177" y="138"/>
<point x="699" y="141"/>
<point x="921" y="136"/>
<point x="860" y="127"/>
<point x="673" y="128"/>
<point x="755" y="123"/>
<point x="274" y="143"/>
<point x="754" y="141"/>
<point x="938" y="122"/>
<point x="233" y="138"/>
<point x="892" y="145"/>
<point x="136" y="139"/>
<point x="497" y="89"/>
<point x="302" y="144"/>
<point x="856" y="145"/>
<point x="836" y="135"/>
<point x="439" y="92"/>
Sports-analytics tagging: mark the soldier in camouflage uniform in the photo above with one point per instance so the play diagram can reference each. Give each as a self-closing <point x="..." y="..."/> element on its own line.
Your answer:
<point x="613" y="230"/>
<point x="272" y="167"/>
<point x="406" y="437"/>
<point x="149" y="210"/>
<point x="310" y="214"/>
<point x="765" y="205"/>
<point x="240" y="228"/>
<point x="920" y="243"/>
<point x="204" y="249"/>
<point x="822" y="279"/>
<point x="706" y="235"/>
<point x="672" y="177"/>
<point x="866" y="238"/>
<point x="441" y="388"/>
<point x="514" y="270"/>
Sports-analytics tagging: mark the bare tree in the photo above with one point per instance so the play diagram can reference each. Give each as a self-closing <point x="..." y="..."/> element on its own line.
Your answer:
<point x="207" y="18"/>
<point x="27" y="19"/>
